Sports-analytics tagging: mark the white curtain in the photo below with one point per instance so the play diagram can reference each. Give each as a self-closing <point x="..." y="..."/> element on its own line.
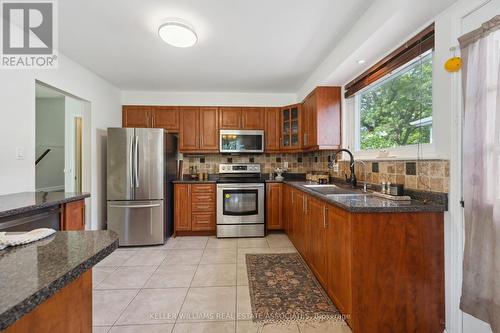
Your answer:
<point x="481" y="268"/>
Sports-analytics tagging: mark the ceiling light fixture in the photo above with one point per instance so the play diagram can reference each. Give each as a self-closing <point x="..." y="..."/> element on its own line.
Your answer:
<point x="177" y="34"/>
<point x="361" y="61"/>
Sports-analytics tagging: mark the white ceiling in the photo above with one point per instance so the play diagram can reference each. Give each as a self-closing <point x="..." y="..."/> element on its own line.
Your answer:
<point x="244" y="46"/>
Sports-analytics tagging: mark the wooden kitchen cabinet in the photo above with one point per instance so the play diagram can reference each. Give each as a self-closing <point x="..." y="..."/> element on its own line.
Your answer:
<point x="291" y="128"/>
<point x="182" y="207"/>
<point x="136" y="116"/>
<point x="252" y="118"/>
<point x="189" y="129"/>
<point x="199" y="130"/>
<point x="287" y="209"/>
<point x="317" y="240"/>
<point x="166" y="117"/>
<point x="272" y="130"/>
<point x="321" y="119"/>
<point x="230" y="118"/>
<point x="73" y="216"/>
<point x="274" y="206"/>
<point x="209" y="129"/>
<point x="338" y="258"/>
<point x="384" y="271"/>
<point x="194" y="209"/>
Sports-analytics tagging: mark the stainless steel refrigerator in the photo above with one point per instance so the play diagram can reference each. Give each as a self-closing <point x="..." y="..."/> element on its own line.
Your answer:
<point x="141" y="164"/>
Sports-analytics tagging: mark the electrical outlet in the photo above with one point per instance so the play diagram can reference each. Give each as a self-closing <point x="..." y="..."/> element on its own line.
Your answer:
<point x="285" y="165"/>
<point x="335" y="167"/>
<point x="19" y="153"/>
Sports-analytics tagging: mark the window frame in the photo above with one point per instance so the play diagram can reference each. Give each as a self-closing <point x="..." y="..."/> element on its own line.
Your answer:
<point x="400" y="150"/>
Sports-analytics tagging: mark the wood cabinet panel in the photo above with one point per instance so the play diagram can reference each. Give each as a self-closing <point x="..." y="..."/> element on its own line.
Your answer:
<point x="338" y="254"/>
<point x="202" y="207"/>
<point x="230" y="118"/>
<point x="68" y="310"/>
<point x="189" y="129"/>
<point x="182" y="207"/>
<point x="203" y="188"/>
<point x="272" y="129"/>
<point x="274" y="208"/>
<point x="287" y="208"/>
<point x="317" y="251"/>
<point x="398" y="272"/>
<point x="203" y="221"/>
<point x="322" y="119"/>
<point x="166" y="117"/>
<point x="73" y="216"/>
<point x="136" y="116"/>
<point x="209" y="129"/>
<point x="252" y="118"/>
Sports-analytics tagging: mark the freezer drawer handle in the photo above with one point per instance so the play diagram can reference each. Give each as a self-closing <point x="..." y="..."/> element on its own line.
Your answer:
<point x="135" y="206"/>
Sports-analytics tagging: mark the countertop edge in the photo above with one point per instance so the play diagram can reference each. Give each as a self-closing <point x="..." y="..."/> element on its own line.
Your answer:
<point x="430" y="208"/>
<point x="15" y="313"/>
<point x="194" y="181"/>
<point x="30" y="208"/>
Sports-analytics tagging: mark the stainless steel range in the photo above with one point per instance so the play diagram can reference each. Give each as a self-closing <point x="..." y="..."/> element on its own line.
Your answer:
<point x="240" y="201"/>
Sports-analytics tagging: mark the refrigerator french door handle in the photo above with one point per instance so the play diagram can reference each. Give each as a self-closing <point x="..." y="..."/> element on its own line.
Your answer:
<point x="131" y="161"/>
<point x="136" y="161"/>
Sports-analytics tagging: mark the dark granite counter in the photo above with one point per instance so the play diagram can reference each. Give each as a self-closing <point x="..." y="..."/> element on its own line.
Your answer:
<point x="23" y="202"/>
<point x="32" y="273"/>
<point x="370" y="203"/>
<point x="194" y="181"/>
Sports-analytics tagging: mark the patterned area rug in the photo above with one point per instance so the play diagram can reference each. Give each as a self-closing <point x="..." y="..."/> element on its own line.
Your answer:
<point x="284" y="290"/>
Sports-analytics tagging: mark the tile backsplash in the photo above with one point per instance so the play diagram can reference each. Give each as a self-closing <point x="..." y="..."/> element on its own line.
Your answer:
<point x="426" y="175"/>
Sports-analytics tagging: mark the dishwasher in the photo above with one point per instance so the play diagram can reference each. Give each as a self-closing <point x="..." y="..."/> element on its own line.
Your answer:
<point x="42" y="218"/>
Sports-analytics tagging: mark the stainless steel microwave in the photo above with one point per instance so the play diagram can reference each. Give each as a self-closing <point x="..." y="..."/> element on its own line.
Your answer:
<point x="241" y="141"/>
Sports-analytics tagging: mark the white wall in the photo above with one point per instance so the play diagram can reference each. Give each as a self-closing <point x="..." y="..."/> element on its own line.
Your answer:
<point x="50" y="135"/>
<point x="207" y="98"/>
<point x="17" y="128"/>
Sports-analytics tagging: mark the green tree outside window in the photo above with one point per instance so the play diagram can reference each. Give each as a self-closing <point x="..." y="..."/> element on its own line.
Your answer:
<point x="398" y="111"/>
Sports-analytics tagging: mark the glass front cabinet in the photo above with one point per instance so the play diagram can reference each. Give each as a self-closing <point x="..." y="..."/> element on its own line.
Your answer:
<point x="291" y="127"/>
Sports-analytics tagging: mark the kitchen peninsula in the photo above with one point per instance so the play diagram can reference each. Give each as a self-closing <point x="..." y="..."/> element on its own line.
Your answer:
<point x="46" y="286"/>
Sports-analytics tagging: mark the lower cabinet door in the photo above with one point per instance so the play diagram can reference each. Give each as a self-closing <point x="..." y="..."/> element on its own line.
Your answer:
<point x="339" y="258"/>
<point x="203" y="221"/>
<point x="182" y="207"/>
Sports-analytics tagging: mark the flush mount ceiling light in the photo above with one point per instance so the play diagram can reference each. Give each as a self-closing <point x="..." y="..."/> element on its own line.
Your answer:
<point x="361" y="61"/>
<point x="177" y="34"/>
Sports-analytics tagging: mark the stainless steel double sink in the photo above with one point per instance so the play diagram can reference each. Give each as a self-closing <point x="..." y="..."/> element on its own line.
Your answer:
<point x="331" y="190"/>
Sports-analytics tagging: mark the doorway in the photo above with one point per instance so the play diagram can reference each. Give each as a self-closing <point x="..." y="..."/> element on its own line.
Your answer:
<point x="62" y="142"/>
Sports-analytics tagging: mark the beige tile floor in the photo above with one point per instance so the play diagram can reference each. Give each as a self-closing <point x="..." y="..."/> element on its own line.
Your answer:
<point x="189" y="285"/>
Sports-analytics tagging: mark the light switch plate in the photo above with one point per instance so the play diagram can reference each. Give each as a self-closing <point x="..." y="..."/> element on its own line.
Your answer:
<point x="19" y="153"/>
<point x="285" y="165"/>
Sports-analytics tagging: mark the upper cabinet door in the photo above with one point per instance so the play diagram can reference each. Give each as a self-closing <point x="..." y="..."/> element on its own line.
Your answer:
<point x="291" y="127"/>
<point x="230" y="118"/>
<point x="252" y="118"/>
<point x="189" y="128"/>
<point x="209" y="129"/>
<point x="272" y="128"/>
<point x="166" y="117"/>
<point x="136" y="116"/>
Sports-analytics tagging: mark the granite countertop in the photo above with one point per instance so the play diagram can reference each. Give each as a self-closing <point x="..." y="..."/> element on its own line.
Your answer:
<point x="370" y="203"/>
<point x="32" y="273"/>
<point x="18" y="203"/>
